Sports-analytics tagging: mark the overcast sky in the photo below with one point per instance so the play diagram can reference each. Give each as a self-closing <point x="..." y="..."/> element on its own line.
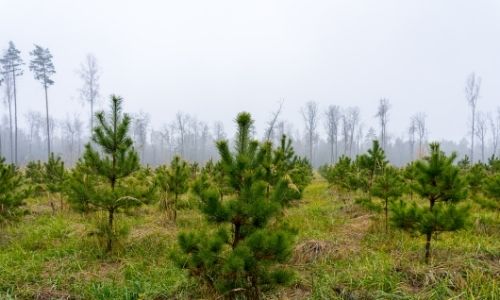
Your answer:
<point x="213" y="59"/>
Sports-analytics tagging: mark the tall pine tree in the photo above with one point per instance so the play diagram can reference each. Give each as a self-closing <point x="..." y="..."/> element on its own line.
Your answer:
<point x="11" y="64"/>
<point x="43" y="69"/>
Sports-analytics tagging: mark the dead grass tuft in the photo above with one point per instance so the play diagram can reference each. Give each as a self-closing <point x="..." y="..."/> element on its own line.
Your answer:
<point x="312" y="250"/>
<point x="52" y="294"/>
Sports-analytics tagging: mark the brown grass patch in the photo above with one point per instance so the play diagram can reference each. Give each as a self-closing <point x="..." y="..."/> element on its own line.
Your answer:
<point x="52" y="294"/>
<point x="312" y="250"/>
<point x="295" y="292"/>
<point x="351" y="235"/>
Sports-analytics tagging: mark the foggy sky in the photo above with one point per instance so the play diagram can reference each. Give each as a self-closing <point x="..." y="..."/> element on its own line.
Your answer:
<point x="213" y="59"/>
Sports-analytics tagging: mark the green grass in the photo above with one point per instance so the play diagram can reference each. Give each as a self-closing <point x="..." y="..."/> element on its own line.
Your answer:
<point x="342" y="252"/>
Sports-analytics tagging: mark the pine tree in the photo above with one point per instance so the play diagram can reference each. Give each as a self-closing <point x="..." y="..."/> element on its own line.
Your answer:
<point x="475" y="178"/>
<point x="291" y="169"/>
<point x="54" y="177"/>
<point x="388" y="187"/>
<point x="114" y="165"/>
<point x="79" y="187"/>
<point x="340" y="175"/>
<point x="464" y="163"/>
<point x="11" y="64"/>
<point x="173" y="180"/>
<point x="43" y="68"/>
<point x="35" y="173"/>
<point x="438" y="181"/>
<point x="12" y="190"/>
<point x="492" y="189"/>
<point x="409" y="175"/>
<point x="373" y="162"/>
<point x="242" y="257"/>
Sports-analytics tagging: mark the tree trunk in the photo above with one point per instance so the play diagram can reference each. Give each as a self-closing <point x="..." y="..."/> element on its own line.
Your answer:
<point x="91" y="117"/>
<point x="255" y="291"/>
<point x="428" y="237"/>
<point x="15" y="116"/>
<point x="10" y="130"/>
<point x="336" y="150"/>
<point x="332" y="159"/>
<point x="237" y="234"/>
<point x="111" y="216"/>
<point x="386" y="220"/>
<point x="472" y="134"/>
<point x="47" y="118"/>
<point x="311" y="147"/>
<point x="174" y="207"/>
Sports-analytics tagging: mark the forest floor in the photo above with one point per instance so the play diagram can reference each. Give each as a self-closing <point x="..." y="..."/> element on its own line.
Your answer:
<point x="342" y="252"/>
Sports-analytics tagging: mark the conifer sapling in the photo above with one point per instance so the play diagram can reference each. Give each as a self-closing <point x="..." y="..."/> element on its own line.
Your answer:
<point x="438" y="180"/>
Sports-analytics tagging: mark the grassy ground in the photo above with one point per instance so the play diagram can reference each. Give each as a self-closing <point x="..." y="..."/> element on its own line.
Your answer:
<point x="342" y="252"/>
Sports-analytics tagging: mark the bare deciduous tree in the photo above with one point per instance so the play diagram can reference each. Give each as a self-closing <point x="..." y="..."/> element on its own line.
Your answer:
<point x="383" y="115"/>
<point x="89" y="92"/>
<point x="218" y="129"/>
<point x="181" y="121"/>
<point x="359" y="137"/>
<point x="204" y="140"/>
<point x="419" y="120"/>
<point x="78" y="128"/>
<point x="140" y="131"/>
<point x="310" y="115"/>
<point x="411" y="138"/>
<point x="34" y="120"/>
<point x="269" y="135"/>
<point x="350" y="120"/>
<point x="481" y="130"/>
<point x="472" y="88"/>
<point x="332" y="122"/>
<point x="166" y="142"/>
<point x="69" y="133"/>
<point x="494" y="122"/>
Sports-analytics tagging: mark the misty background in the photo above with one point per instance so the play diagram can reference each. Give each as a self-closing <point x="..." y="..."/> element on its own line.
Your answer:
<point x="202" y="62"/>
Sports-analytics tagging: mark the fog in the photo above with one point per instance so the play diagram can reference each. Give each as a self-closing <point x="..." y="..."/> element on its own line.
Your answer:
<point x="213" y="59"/>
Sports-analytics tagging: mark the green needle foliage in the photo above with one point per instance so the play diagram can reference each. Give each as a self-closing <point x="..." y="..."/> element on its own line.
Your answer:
<point x="409" y="175"/>
<point x="475" y="178"/>
<point x="12" y="190"/>
<point x="173" y="180"/>
<point x="388" y="187"/>
<point x="35" y="173"/>
<point x="244" y="251"/>
<point x="80" y="185"/>
<point x="290" y="169"/>
<point x="438" y="181"/>
<point x="492" y="189"/>
<point x="54" y="177"/>
<point x="373" y="163"/>
<point x="340" y="176"/>
<point x="113" y="165"/>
